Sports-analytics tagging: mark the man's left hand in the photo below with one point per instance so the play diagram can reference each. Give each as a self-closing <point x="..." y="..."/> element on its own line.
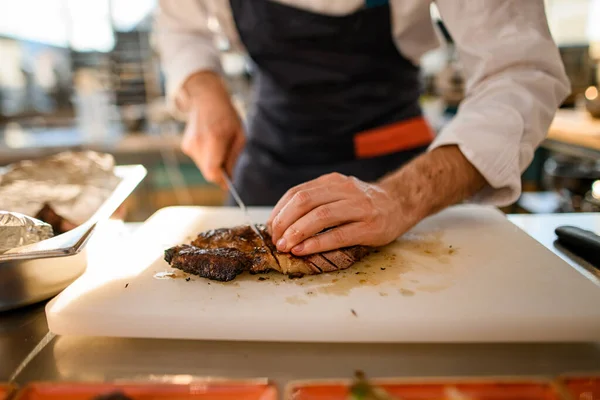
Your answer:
<point x="358" y="213"/>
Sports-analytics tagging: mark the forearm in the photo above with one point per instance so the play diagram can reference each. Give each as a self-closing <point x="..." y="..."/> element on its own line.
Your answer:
<point x="203" y="87"/>
<point x="432" y="182"/>
<point x="185" y="45"/>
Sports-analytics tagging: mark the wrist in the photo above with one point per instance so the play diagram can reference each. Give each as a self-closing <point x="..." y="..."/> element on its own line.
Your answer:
<point x="432" y="182"/>
<point x="409" y="203"/>
<point x="201" y="88"/>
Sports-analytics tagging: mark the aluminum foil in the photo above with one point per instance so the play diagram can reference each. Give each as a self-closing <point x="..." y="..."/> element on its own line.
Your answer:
<point x="71" y="186"/>
<point x="18" y="230"/>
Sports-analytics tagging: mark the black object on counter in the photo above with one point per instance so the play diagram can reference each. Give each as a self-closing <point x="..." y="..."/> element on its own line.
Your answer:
<point x="116" y="395"/>
<point x="581" y="242"/>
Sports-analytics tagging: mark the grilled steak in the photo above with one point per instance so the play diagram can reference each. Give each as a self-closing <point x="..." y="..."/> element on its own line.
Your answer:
<point x="221" y="264"/>
<point x="242" y="238"/>
<point x="222" y="254"/>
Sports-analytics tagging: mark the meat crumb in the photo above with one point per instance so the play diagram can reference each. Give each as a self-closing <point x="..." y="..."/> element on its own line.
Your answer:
<point x="354" y="312"/>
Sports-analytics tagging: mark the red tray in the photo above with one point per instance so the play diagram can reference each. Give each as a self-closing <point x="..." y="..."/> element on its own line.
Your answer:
<point x="582" y="388"/>
<point x="151" y="391"/>
<point x="5" y="390"/>
<point x="434" y="389"/>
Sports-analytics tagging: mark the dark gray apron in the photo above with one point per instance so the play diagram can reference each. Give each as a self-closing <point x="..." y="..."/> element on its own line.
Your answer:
<point x="319" y="80"/>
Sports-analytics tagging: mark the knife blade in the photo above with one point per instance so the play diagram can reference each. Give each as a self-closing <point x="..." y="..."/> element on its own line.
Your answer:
<point x="240" y="203"/>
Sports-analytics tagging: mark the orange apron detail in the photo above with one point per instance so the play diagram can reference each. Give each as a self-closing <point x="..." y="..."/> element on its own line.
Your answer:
<point x="403" y="135"/>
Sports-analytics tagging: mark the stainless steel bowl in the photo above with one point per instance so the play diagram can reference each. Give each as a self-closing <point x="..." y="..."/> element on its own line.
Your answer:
<point x="30" y="281"/>
<point x="42" y="270"/>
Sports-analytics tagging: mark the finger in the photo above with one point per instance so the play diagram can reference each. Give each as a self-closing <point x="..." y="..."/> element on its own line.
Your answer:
<point x="235" y="151"/>
<point x="320" y="181"/>
<point x="193" y="145"/>
<point x="214" y="150"/>
<point x="302" y="203"/>
<point x="343" y="236"/>
<point x="323" y="217"/>
<point x="190" y="145"/>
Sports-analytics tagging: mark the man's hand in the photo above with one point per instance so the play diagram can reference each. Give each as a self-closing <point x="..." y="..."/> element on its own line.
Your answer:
<point x="363" y="214"/>
<point x="357" y="212"/>
<point x="213" y="136"/>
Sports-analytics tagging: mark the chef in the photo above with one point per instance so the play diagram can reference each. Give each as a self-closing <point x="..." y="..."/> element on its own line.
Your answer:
<point x="336" y="140"/>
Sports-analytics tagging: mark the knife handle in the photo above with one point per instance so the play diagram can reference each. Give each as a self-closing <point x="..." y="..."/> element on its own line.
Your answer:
<point x="582" y="239"/>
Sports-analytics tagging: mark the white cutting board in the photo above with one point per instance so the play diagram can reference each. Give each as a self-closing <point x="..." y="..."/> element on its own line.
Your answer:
<point x="464" y="275"/>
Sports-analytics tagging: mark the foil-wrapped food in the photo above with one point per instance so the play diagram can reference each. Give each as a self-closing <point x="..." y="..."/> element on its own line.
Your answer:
<point x="63" y="190"/>
<point x="18" y="230"/>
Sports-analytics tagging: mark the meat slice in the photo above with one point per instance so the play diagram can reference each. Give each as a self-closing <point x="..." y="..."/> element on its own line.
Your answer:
<point x="339" y="258"/>
<point x="242" y="238"/>
<point x="222" y="254"/>
<point x="321" y="263"/>
<point x="287" y="263"/>
<point x="221" y="264"/>
<point x="329" y="261"/>
<point x="357" y="252"/>
<point x="295" y="267"/>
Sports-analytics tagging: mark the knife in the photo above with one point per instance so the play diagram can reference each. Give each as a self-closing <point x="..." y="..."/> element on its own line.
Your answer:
<point x="240" y="203"/>
<point x="581" y="242"/>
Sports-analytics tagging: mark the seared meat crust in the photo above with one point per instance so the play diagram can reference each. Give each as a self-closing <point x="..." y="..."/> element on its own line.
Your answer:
<point x="222" y="254"/>
<point x="221" y="264"/>
<point x="242" y="238"/>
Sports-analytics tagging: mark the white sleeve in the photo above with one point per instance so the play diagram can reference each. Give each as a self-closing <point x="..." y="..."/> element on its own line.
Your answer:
<point x="185" y="43"/>
<point x="515" y="83"/>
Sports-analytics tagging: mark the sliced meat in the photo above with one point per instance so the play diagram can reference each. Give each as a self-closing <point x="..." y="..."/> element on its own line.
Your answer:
<point x="357" y="252"/>
<point x="222" y="264"/>
<point x="321" y="263"/>
<point x="339" y="258"/>
<point x="58" y="223"/>
<point x="242" y="238"/>
<point x="295" y="267"/>
<point x="329" y="261"/>
<point x="222" y="254"/>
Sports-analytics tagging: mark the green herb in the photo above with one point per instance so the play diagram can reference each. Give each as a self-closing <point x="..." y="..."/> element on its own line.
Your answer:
<point x="362" y="389"/>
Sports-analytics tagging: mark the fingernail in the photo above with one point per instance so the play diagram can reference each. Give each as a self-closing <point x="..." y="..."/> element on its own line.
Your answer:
<point x="297" y="249"/>
<point x="281" y="243"/>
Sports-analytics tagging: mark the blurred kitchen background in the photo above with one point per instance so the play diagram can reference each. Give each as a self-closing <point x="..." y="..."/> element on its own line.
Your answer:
<point x="85" y="75"/>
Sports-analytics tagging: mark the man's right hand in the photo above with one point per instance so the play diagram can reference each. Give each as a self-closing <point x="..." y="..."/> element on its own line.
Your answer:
<point x="213" y="136"/>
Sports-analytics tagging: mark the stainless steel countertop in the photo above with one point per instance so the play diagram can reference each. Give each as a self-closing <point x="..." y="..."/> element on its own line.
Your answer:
<point x="96" y="358"/>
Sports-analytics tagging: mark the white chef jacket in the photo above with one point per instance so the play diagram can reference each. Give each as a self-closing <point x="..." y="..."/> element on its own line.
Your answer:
<point x="515" y="79"/>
